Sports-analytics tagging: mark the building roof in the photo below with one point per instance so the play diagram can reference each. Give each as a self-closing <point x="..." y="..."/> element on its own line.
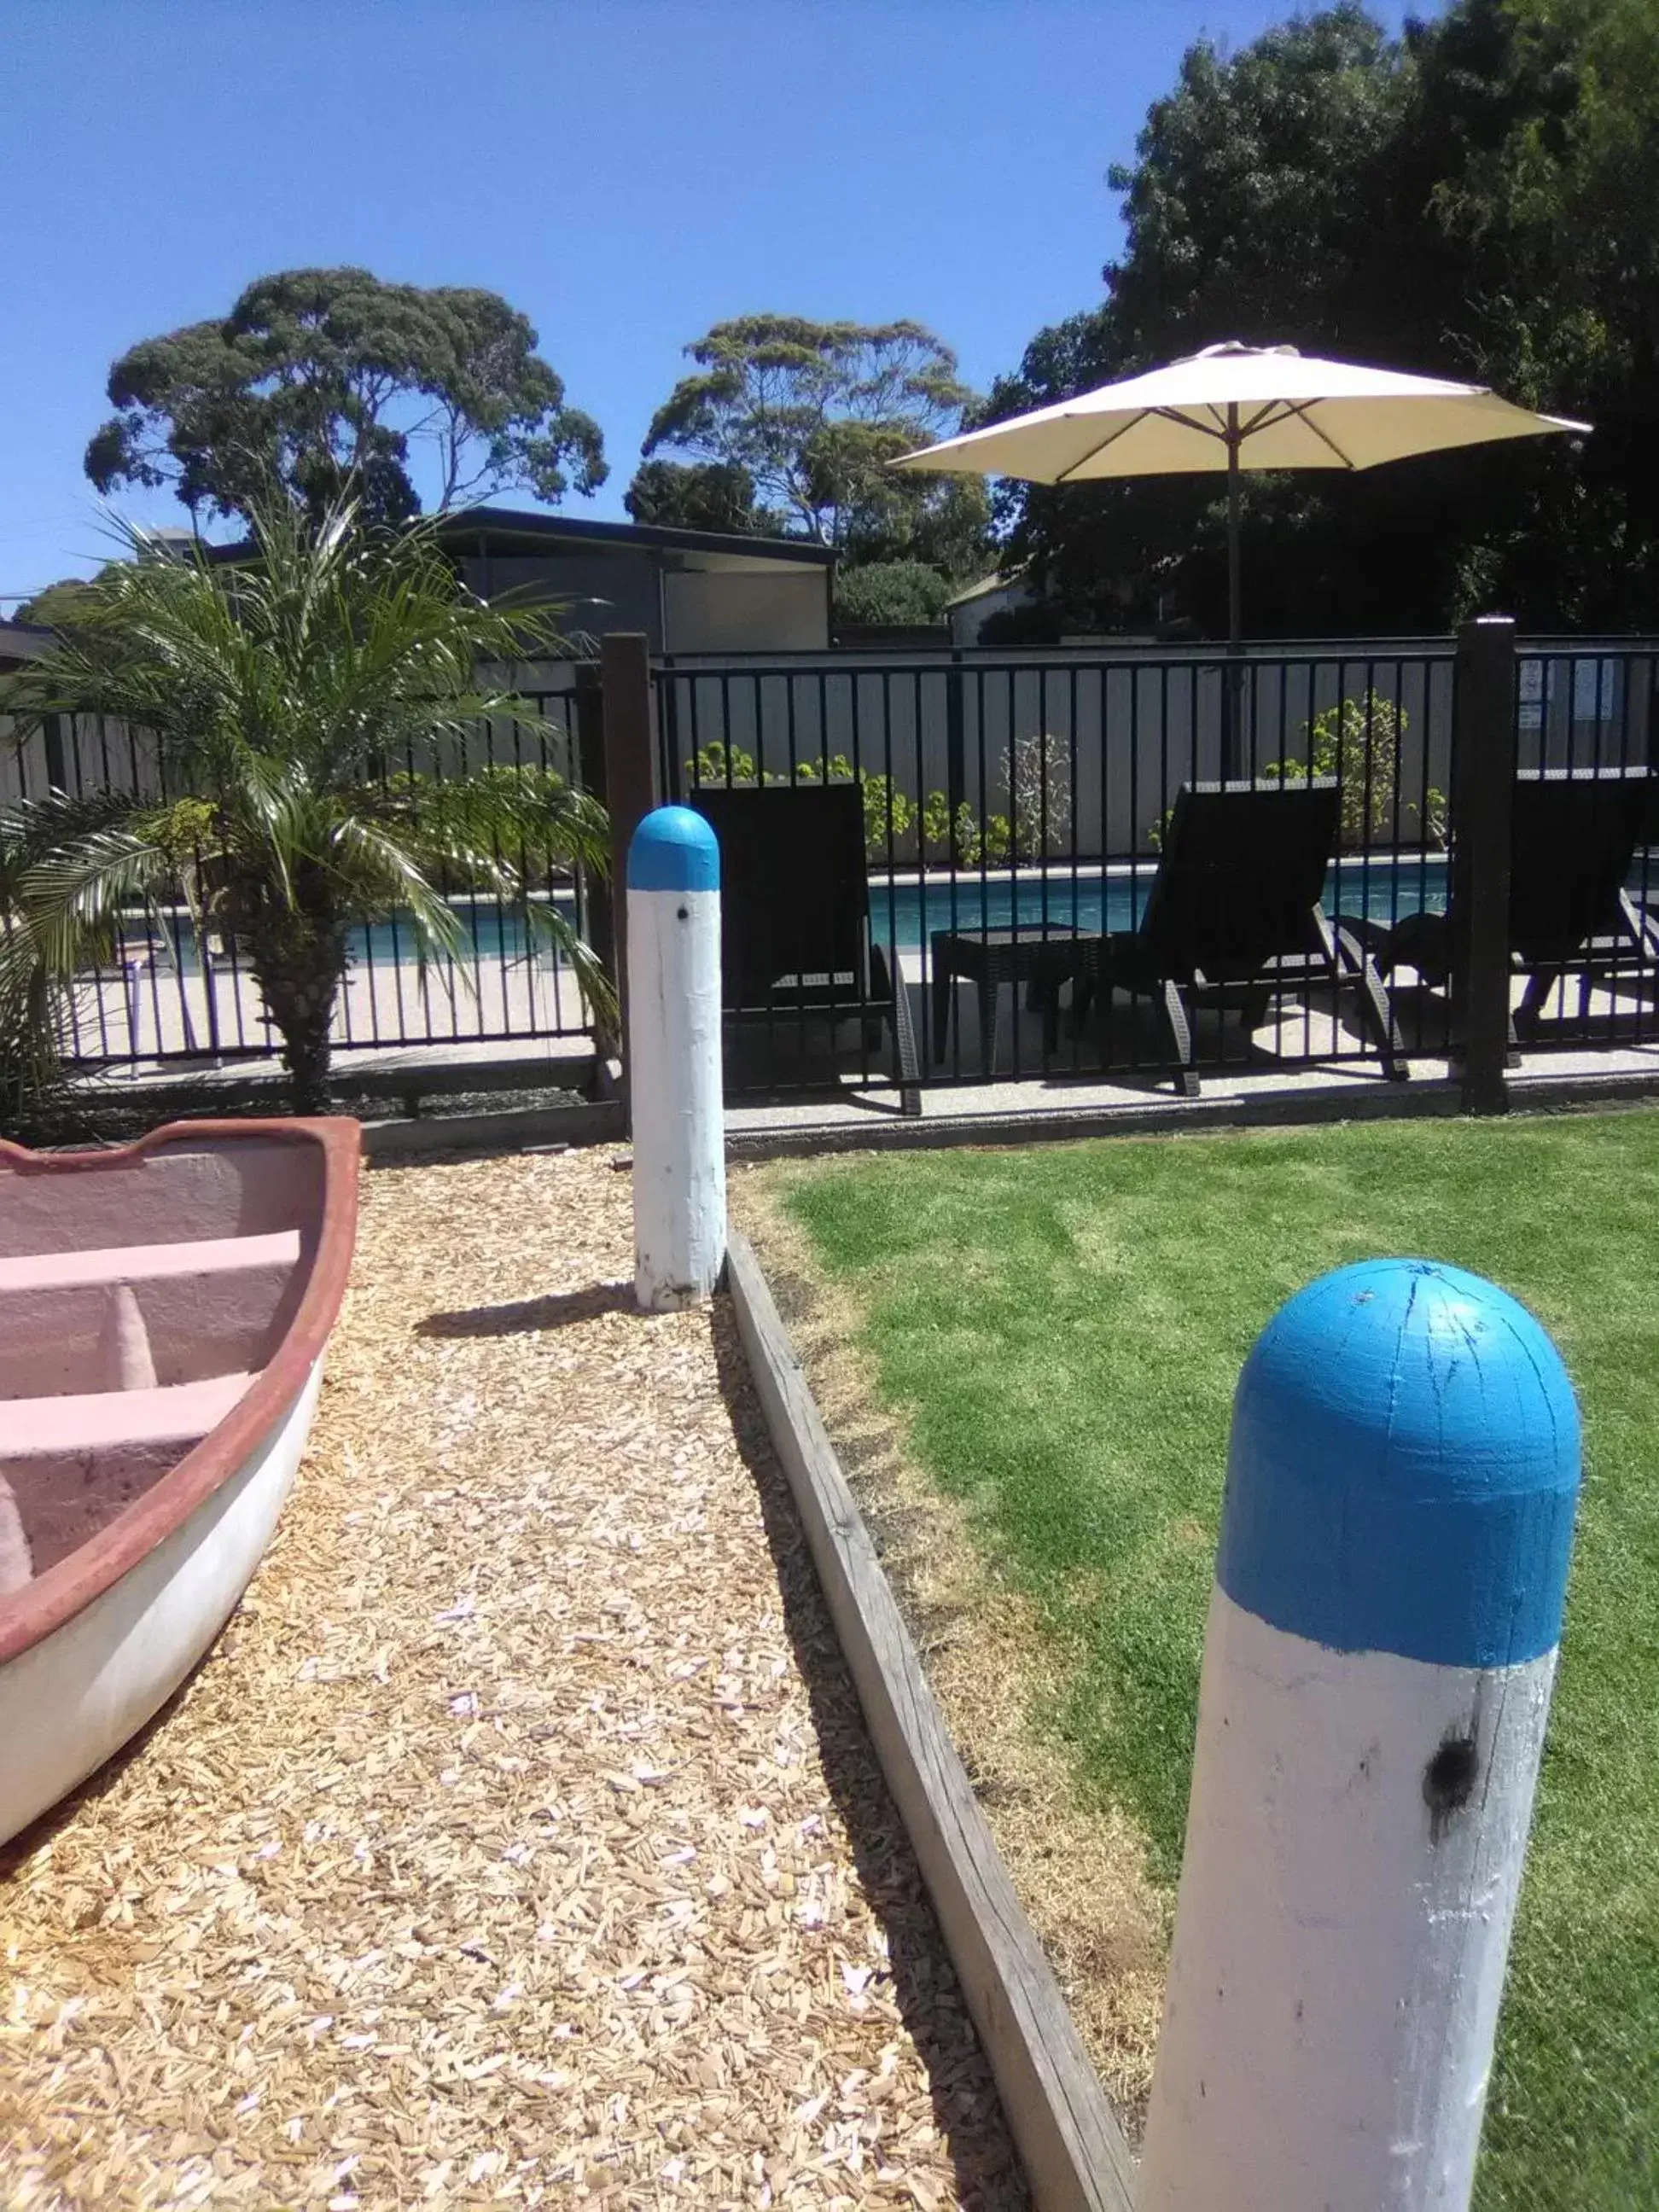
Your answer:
<point x="508" y="532"/>
<point x="502" y="530"/>
<point x="23" y="640"/>
<point x="986" y="586"/>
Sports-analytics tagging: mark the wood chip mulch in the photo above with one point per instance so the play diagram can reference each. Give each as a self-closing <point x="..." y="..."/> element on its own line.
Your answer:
<point x="521" y="1841"/>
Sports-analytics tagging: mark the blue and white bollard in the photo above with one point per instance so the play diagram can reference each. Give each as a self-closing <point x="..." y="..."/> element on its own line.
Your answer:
<point x="674" y="1059"/>
<point x="1377" y="1665"/>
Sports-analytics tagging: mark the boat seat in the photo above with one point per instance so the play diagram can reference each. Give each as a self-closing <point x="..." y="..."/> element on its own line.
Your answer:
<point x="149" y="1263"/>
<point x="98" y="1422"/>
<point x="184" y="1311"/>
<point x="74" y="1463"/>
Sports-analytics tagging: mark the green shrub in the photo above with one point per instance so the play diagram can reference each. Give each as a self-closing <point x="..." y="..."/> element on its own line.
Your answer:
<point x="960" y="839"/>
<point x="897" y="594"/>
<point x="1358" y="741"/>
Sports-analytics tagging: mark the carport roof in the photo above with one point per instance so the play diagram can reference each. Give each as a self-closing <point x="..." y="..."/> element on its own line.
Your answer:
<point x="500" y="530"/>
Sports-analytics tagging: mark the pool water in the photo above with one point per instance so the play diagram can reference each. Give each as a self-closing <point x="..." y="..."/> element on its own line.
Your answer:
<point x="906" y="912"/>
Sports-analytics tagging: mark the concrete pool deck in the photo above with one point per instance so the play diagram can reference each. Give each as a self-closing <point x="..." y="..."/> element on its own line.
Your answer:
<point x="846" y="1107"/>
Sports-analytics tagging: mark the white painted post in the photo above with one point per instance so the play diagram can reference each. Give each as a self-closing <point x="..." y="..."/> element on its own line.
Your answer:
<point x="1381" y="1640"/>
<point x="674" y="1059"/>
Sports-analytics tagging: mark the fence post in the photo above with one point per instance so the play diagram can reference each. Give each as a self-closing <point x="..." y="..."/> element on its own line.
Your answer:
<point x="51" y="736"/>
<point x="587" y="708"/>
<point x="629" y="737"/>
<point x="1395" y="1542"/>
<point x="1483" y="785"/>
<point x="674" y="1059"/>
<point x="956" y="740"/>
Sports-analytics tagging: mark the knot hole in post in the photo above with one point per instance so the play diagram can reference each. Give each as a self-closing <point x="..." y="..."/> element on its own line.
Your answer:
<point x="1449" y="1781"/>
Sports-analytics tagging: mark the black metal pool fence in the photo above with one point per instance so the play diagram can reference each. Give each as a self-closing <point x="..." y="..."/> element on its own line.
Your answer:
<point x="1019" y="831"/>
<point x="167" y="989"/>
<point x="1018" y="813"/>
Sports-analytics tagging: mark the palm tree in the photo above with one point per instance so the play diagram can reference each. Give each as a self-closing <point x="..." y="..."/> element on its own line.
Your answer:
<point x="33" y="1088"/>
<point x="287" y="693"/>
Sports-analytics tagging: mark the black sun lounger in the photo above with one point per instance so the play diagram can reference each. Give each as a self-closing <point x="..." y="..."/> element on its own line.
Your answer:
<point x="1573" y="838"/>
<point x="795" y="915"/>
<point x="1234" y="917"/>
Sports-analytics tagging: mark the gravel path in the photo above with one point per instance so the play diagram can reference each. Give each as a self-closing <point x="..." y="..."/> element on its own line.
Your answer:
<point x="521" y="1841"/>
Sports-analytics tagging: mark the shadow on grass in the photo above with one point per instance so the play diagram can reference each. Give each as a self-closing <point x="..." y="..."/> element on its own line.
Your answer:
<point x="966" y="2108"/>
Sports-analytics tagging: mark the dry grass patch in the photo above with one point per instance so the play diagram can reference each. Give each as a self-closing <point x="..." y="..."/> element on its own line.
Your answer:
<point x="1080" y="1873"/>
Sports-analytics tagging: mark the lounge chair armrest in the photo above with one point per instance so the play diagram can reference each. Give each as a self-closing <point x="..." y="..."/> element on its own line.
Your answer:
<point x="1375" y="938"/>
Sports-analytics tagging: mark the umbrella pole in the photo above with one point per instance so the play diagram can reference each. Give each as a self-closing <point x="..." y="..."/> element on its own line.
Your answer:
<point x="1232" y="732"/>
<point x="1234" y="606"/>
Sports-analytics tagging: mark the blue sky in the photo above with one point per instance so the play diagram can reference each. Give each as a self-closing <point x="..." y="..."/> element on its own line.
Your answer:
<point x="626" y="173"/>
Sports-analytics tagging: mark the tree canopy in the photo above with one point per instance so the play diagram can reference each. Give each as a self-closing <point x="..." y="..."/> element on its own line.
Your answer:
<point x="319" y="379"/>
<point x="809" y="415"/>
<point x="1477" y="199"/>
<point x="697" y="495"/>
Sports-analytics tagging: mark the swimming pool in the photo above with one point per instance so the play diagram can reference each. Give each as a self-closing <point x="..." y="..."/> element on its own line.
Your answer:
<point x="906" y="910"/>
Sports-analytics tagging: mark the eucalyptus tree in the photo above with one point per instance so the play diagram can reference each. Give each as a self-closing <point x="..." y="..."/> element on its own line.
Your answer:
<point x="1474" y="198"/>
<point x="319" y="379"/>
<point x="806" y="415"/>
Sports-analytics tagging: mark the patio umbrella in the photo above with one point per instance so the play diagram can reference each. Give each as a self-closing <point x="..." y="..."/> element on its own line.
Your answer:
<point x="1236" y="407"/>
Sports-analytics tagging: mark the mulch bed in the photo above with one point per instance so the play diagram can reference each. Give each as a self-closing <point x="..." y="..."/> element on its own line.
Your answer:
<point x="520" y="1841"/>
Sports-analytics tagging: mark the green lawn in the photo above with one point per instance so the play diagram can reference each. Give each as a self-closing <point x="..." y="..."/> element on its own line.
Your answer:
<point x="1062" y="1329"/>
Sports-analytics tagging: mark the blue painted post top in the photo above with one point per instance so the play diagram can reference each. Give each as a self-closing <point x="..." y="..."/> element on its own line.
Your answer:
<point x="673" y="849"/>
<point x="1404" y="1469"/>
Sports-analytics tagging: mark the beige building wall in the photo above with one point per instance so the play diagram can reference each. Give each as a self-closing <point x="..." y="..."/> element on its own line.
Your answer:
<point x="725" y="611"/>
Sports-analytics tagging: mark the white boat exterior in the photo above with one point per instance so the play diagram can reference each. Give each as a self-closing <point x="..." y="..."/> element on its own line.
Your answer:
<point x="69" y="1703"/>
<point x="165" y="1310"/>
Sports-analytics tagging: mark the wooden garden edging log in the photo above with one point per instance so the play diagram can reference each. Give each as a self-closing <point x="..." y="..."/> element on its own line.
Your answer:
<point x="1067" y="2136"/>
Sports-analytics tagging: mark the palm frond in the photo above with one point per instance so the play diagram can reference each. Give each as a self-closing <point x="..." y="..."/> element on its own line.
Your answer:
<point x="75" y="893"/>
<point x="504" y="812"/>
<point x="280" y="690"/>
<point x="379" y="871"/>
<point x="30" y="827"/>
<point x="592" y="978"/>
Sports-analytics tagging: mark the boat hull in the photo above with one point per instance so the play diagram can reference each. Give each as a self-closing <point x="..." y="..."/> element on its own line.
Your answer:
<point x="167" y="1310"/>
<point x="68" y="1703"/>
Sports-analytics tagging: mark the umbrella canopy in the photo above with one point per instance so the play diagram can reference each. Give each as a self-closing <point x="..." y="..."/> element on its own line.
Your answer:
<point x="1236" y="407"/>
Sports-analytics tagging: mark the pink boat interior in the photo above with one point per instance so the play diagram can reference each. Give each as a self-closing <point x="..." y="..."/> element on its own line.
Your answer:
<point x="139" y="1299"/>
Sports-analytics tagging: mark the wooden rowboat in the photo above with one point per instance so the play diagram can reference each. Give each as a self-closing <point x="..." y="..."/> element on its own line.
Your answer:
<point x="164" y="1311"/>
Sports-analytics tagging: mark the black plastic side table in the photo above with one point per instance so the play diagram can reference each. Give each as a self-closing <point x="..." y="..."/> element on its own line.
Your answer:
<point x="1042" y="955"/>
